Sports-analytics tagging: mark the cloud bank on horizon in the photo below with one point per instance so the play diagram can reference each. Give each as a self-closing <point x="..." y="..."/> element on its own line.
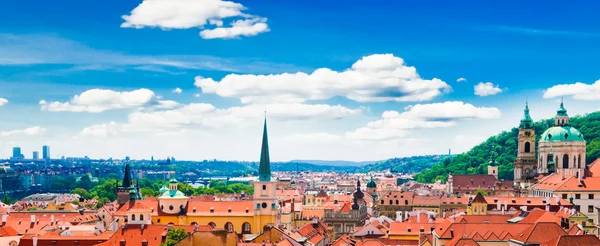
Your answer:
<point x="328" y="91"/>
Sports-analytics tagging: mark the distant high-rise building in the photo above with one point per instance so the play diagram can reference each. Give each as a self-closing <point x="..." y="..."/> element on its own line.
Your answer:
<point x="127" y="158"/>
<point x="36" y="155"/>
<point x="17" y="153"/>
<point x="46" y="152"/>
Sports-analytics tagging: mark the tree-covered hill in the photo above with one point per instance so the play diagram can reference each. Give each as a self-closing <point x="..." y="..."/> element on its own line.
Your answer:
<point x="412" y="164"/>
<point x="475" y="160"/>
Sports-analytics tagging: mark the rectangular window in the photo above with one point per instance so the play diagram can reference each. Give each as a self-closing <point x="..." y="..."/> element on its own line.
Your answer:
<point x="577" y="196"/>
<point x="590" y="208"/>
<point x="264" y="187"/>
<point x="564" y="196"/>
<point x="591" y="196"/>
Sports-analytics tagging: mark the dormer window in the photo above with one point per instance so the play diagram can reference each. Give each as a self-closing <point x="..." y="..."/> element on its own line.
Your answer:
<point x="229" y="210"/>
<point x="212" y="210"/>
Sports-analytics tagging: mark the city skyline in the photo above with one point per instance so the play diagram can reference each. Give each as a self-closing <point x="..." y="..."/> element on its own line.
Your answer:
<point x="364" y="83"/>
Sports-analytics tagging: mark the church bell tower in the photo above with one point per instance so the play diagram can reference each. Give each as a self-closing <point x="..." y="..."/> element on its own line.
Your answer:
<point x="525" y="163"/>
<point x="265" y="202"/>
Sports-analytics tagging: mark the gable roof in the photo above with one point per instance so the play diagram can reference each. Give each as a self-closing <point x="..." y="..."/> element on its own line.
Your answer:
<point x="540" y="233"/>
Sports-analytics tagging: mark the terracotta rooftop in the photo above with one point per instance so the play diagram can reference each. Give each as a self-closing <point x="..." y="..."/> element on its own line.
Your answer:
<point x="540" y="233"/>
<point x="134" y="235"/>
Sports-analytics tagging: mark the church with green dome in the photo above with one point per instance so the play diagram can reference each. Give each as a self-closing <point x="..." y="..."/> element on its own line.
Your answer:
<point x="564" y="144"/>
<point x="561" y="149"/>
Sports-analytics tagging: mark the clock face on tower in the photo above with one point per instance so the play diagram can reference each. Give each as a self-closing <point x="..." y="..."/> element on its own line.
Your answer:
<point x="528" y="133"/>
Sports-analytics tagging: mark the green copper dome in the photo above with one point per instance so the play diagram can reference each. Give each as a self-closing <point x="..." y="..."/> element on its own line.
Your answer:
<point x="562" y="134"/>
<point x="371" y="183"/>
<point x="163" y="189"/>
<point x="173" y="194"/>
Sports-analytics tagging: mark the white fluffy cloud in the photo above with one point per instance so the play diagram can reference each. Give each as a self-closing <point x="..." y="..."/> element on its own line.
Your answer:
<point x="579" y="91"/>
<point x="486" y="89"/>
<point x="374" y="78"/>
<point x="3" y="101"/>
<point x="185" y="14"/>
<point x="100" y="100"/>
<point x="177" y="90"/>
<point x="31" y="131"/>
<point x="461" y="79"/>
<point x="198" y="115"/>
<point x="248" y="27"/>
<point x="394" y="125"/>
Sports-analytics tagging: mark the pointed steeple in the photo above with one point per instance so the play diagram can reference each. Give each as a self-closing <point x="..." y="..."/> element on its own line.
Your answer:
<point x="264" y="170"/>
<point x="492" y="157"/>
<point x="526" y="121"/>
<point x="127" y="177"/>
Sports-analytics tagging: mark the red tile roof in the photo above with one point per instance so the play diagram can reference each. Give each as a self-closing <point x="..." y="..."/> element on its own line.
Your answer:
<point x="540" y="233"/>
<point x="583" y="240"/>
<point x="464" y="242"/>
<point x="134" y="235"/>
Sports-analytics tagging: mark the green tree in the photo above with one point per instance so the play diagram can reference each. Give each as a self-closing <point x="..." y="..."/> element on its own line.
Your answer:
<point x="105" y="190"/>
<point x="174" y="236"/>
<point x="149" y="192"/>
<point x="482" y="192"/>
<point x="82" y="192"/>
<point x="6" y="200"/>
<point x="85" y="182"/>
<point x="187" y="189"/>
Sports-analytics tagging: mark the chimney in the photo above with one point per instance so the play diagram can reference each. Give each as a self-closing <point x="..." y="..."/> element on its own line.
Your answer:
<point x="145" y="242"/>
<point x="33" y="218"/>
<point x="52" y="218"/>
<point x="293" y="206"/>
<point x="498" y="205"/>
<point x="398" y="216"/>
<point x="452" y="233"/>
<point x="335" y="198"/>
<point x="418" y="217"/>
<point x="122" y="242"/>
<point x="35" y="241"/>
<point x="4" y="218"/>
<point x="315" y="222"/>
<point x="547" y="207"/>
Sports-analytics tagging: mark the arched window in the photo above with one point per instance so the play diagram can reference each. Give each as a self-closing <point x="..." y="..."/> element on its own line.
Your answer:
<point x="382" y="201"/>
<point x="246" y="229"/>
<point x="579" y="161"/>
<point x="391" y="202"/>
<point x="194" y="223"/>
<point x="565" y="161"/>
<point x="405" y="202"/>
<point x="229" y="227"/>
<point x="132" y="217"/>
<point x="396" y="202"/>
<point x="141" y="217"/>
<point x="212" y="224"/>
<point x="527" y="147"/>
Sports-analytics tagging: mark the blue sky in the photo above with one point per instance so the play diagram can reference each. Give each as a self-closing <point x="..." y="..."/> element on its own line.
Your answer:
<point x="99" y="78"/>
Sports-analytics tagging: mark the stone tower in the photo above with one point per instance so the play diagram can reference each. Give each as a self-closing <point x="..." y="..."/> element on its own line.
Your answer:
<point x="492" y="165"/>
<point x="525" y="163"/>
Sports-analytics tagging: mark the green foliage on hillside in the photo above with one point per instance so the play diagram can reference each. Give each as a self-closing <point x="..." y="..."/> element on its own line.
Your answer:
<point x="411" y="164"/>
<point x="475" y="161"/>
